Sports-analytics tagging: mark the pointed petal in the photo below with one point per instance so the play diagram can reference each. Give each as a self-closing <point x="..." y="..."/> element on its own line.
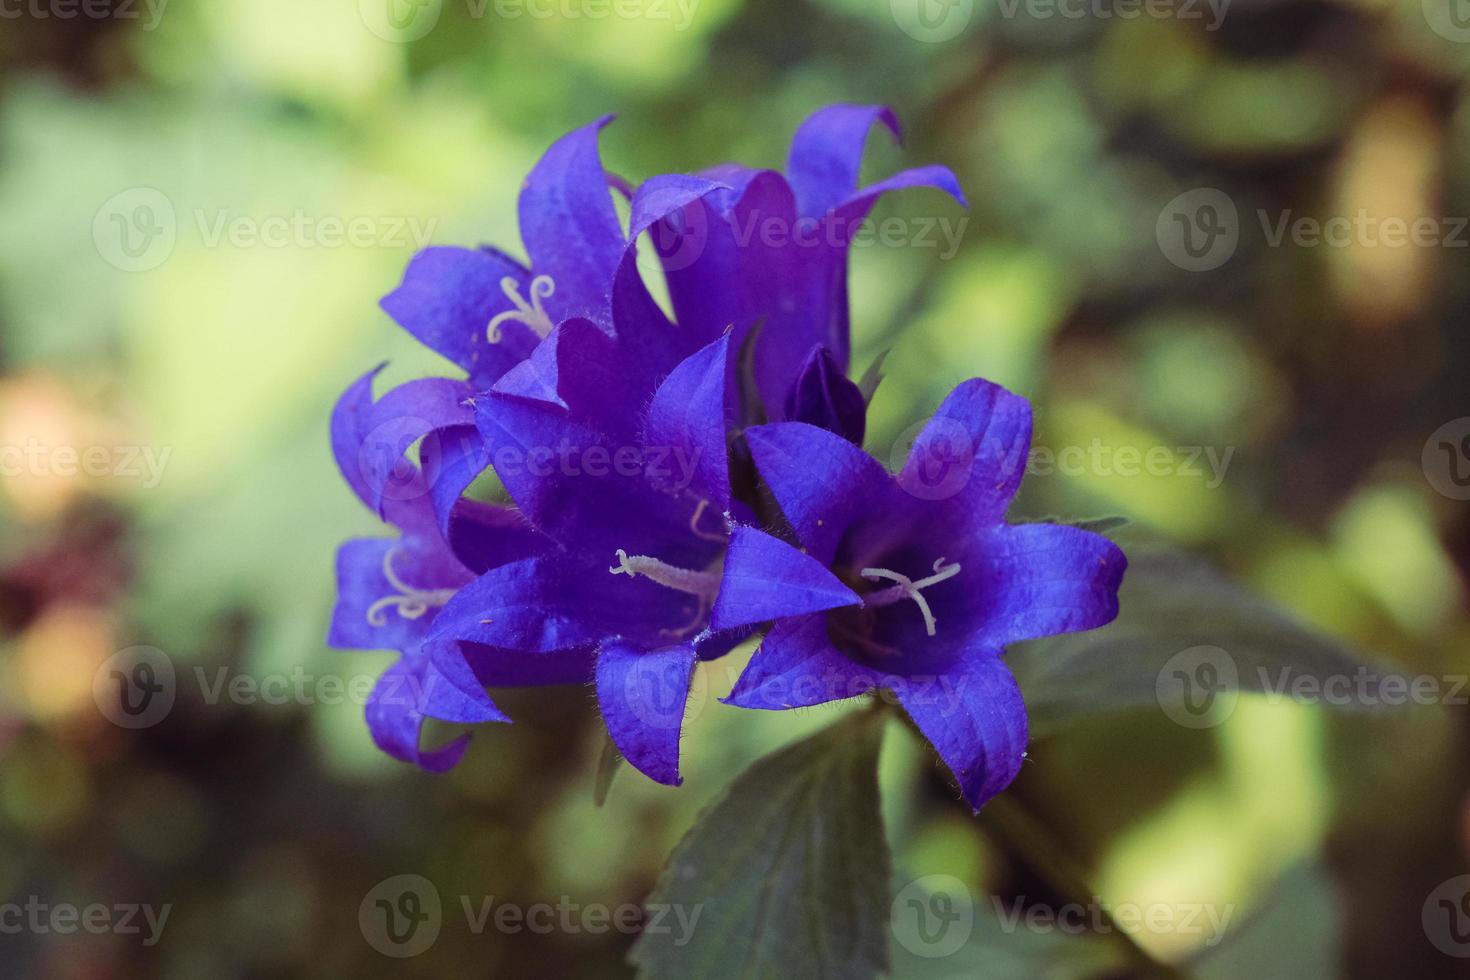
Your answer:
<point x="448" y="298"/>
<point x="372" y="613"/>
<point x="797" y="667"/>
<point x="972" y="452"/>
<point x="686" y="428"/>
<point x="452" y="458"/>
<point x="402" y="417"/>
<point x="1029" y="581"/>
<point x="662" y="196"/>
<point x="556" y="603"/>
<point x="824" y="396"/>
<point x="847" y="215"/>
<point x="349" y="427"/>
<point x="767" y="579"/>
<point x="827" y="153"/>
<point x="395" y="721"/>
<point x="586" y="373"/>
<point x="453" y="693"/>
<point x="662" y="208"/>
<point x="823" y="483"/>
<point x="584" y="490"/>
<point x="975" y="719"/>
<point x="642" y="694"/>
<point x="570" y="227"/>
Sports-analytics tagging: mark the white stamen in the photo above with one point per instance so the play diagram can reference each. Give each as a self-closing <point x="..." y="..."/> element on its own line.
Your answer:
<point x="721" y="536"/>
<point x="411" y="603"/>
<point x="531" y="314"/>
<point x="702" y="585"/>
<point x="907" y="588"/>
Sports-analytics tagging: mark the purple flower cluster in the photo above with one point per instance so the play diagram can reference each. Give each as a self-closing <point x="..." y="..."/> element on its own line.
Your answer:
<point x="681" y="484"/>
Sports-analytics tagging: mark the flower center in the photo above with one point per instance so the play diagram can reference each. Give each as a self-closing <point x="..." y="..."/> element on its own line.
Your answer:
<point x="531" y="314"/>
<point x="410" y="602"/>
<point x="907" y="588"/>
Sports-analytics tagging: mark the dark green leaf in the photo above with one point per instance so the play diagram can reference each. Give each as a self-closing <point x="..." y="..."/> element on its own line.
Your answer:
<point x="943" y="931"/>
<point x="788" y="871"/>
<point x="1181" y="618"/>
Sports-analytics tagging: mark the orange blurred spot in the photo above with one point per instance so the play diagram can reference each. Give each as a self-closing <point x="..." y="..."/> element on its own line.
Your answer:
<point x="56" y="659"/>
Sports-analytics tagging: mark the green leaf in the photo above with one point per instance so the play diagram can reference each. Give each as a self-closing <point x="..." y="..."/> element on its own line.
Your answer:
<point x="608" y="764"/>
<point x="873" y="376"/>
<point x="1179" y="617"/>
<point x="787" y="872"/>
<point x="943" y="931"/>
<point x="1296" y="932"/>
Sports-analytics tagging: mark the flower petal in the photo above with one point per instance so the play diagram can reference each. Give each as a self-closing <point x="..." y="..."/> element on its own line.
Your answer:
<point x="584" y="490"/>
<point x="555" y="603"/>
<point x="372" y="613"/>
<point x="395" y="721"/>
<point x="453" y="693"/>
<point x="583" y="371"/>
<point x="847" y="215"/>
<point x="485" y="536"/>
<point x="767" y="579"/>
<point x="403" y="416"/>
<point x="500" y="667"/>
<point x="975" y="719"/>
<point x="642" y="693"/>
<point x="448" y="298"/>
<point x="660" y="206"/>
<point x="686" y="427"/>
<point x="823" y="483"/>
<point x="570" y="227"/>
<point x="349" y="428"/>
<point x="1028" y="581"/>
<point x="797" y="667"/>
<point x="972" y="453"/>
<point x="824" y="396"/>
<point x="827" y="153"/>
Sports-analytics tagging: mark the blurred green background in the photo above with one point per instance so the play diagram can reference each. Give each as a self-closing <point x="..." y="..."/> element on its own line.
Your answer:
<point x="175" y="286"/>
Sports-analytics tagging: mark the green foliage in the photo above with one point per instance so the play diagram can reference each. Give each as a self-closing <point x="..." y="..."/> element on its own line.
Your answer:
<point x="1172" y="604"/>
<point x="1296" y="932"/>
<point x="789" y="869"/>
